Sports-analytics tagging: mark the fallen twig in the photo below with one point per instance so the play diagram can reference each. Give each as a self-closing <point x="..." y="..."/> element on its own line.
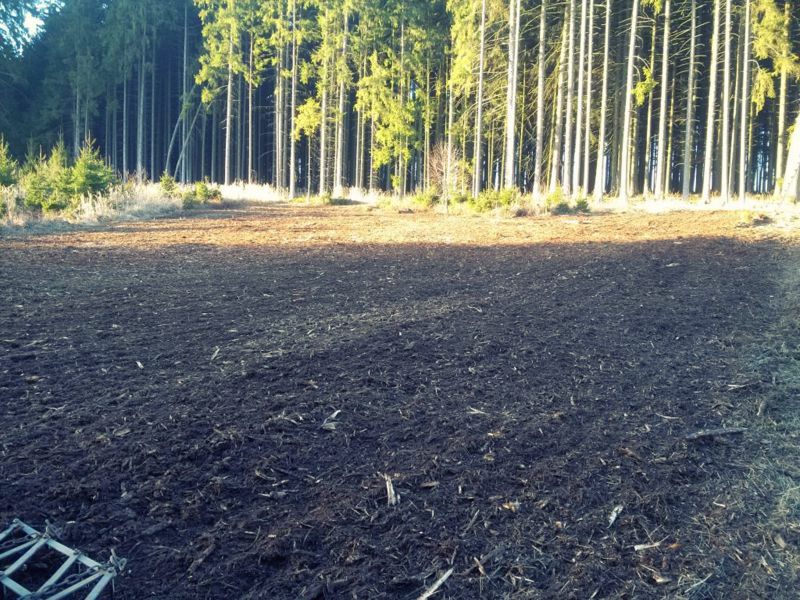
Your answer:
<point x="704" y="433"/>
<point x="436" y="585"/>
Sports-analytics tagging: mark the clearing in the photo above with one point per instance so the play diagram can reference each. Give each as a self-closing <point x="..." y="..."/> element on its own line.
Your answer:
<point x="224" y="400"/>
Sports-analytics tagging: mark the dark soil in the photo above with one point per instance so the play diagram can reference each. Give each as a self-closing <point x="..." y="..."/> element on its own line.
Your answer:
<point x="221" y="401"/>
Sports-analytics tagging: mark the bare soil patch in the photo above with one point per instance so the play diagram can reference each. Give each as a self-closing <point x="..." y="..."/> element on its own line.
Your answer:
<point x="222" y="399"/>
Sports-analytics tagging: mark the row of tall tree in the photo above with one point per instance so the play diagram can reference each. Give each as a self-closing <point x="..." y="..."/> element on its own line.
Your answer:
<point x="453" y="96"/>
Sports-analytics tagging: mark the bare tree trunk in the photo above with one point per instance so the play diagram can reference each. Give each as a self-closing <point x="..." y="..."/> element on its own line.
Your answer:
<point x="250" y="113"/>
<point x="589" y="80"/>
<point x="338" y="176"/>
<point x="555" y="159"/>
<point x="323" y="136"/>
<point x="745" y="105"/>
<point x="624" y="178"/>
<point x="447" y="183"/>
<point x="791" y="177"/>
<point x="477" y="166"/>
<point x="229" y="112"/>
<point x="662" y="117"/>
<point x="511" y="98"/>
<point x="140" y="119"/>
<point x="567" y="169"/>
<point x="688" y="144"/>
<point x="600" y="174"/>
<point x="726" y="106"/>
<point x="540" y="102"/>
<point x="708" y="158"/>
<point x="293" y="109"/>
<point x="576" y="158"/>
<point x="780" y="152"/>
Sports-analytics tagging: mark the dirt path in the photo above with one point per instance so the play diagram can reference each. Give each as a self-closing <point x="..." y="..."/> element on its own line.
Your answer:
<point x="222" y="398"/>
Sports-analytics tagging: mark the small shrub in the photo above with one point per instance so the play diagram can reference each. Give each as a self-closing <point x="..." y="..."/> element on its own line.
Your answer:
<point x="168" y="185"/>
<point x="47" y="182"/>
<point x="554" y="198"/>
<point x="582" y="206"/>
<point x="90" y="175"/>
<point x="8" y="166"/>
<point x="562" y="208"/>
<point x="425" y="199"/>
<point x="491" y="199"/>
<point x="202" y="192"/>
<point x="189" y="200"/>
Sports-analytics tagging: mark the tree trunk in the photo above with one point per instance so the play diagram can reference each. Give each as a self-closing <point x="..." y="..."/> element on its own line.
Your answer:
<point x="511" y="97"/>
<point x="780" y="151"/>
<point x="726" y="107"/>
<point x="229" y="113"/>
<point x="661" y="166"/>
<point x="589" y="81"/>
<point x="140" y="119"/>
<point x="688" y="145"/>
<point x="250" y="114"/>
<point x="708" y="151"/>
<point x="540" y="102"/>
<point x="567" y="168"/>
<point x="791" y="177"/>
<point x="292" y="140"/>
<point x="743" y="147"/>
<point x="577" y="159"/>
<point x="555" y="159"/>
<point x="477" y="166"/>
<point x="624" y="179"/>
<point x="338" y="172"/>
<point x="323" y="135"/>
<point x="600" y="172"/>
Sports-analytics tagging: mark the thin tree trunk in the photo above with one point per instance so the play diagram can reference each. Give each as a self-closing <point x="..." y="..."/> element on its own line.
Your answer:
<point x="153" y="110"/>
<point x="323" y="135"/>
<point x="477" y="166"/>
<point x="745" y="104"/>
<point x="567" y="167"/>
<point x="338" y="172"/>
<point x="140" y="119"/>
<point x="511" y="98"/>
<point x="600" y="173"/>
<point x="292" y="140"/>
<point x="780" y="151"/>
<point x="688" y="145"/>
<point x="229" y="113"/>
<point x="589" y="81"/>
<point x="624" y="179"/>
<point x="648" y="136"/>
<point x="726" y="106"/>
<point x="555" y="159"/>
<point x="577" y="161"/>
<point x="708" y="158"/>
<point x="791" y="177"/>
<point x="661" y="166"/>
<point x="250" y="113"/>
<point x="540" y="102"/>
<point x="449" y="163"/>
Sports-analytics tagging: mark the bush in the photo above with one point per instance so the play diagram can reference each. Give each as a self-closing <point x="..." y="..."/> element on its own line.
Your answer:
<point x="90" y="175"/>
<point x="47" y="182"/>
<point x="490" y="199"/>
<point x="8" y="166"/>
<point x="168" y="185"/>
<point x="425" y="199"/>
<point x="582" y="206"/>
<point x="202" y="192"/>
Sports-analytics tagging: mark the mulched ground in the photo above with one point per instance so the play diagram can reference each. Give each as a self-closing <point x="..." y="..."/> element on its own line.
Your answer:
<point x="222" y="399"/>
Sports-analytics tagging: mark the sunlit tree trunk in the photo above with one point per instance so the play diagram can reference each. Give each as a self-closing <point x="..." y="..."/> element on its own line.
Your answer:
<point x="589" y="81"/>
<point x="338" y="171"/>
<point x="540" y="102"/>
<point x="229" y="113"/>
<point x="726" y="106"/>
<point x="567" y="170"/>
<point x="743" y="146"/>
<point x="662" y="118"/>
<point x="600" y="174"/>
<point x="555" y="158"/>
<point x="293" y="109"/>
<point x="791" y="177"/>
<point x="624" y="176"/>
<point x="688" y="145"/>
<point x="780" y="151"/>
<point x="511" y="99"/>
<point x="577" y="159"/>
<point x="477" y="166"/>
<point x="708" y="150"/>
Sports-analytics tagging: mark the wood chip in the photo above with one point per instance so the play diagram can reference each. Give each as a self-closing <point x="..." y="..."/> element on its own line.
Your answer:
<point x="706" y="433"/>
<point x="614" y="514"/>
<point x="436" y="585"/>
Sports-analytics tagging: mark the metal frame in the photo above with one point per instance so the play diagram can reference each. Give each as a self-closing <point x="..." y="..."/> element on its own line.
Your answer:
<point x="71" y="579"/>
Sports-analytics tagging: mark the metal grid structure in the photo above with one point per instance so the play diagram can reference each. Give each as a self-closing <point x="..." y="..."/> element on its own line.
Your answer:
<point x="70" y="580"/>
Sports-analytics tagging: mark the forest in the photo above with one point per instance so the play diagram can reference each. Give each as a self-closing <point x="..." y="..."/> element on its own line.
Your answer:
<point x="650" y="97"/>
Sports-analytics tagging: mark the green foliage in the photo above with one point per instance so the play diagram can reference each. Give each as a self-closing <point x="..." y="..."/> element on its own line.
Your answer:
<point x="490" y="199"/>
<point x="582" y="205"/>
<point x="90" y="175"/>
<point x="644" y="87"/>
<point x="169" y="186"/>
<point x="8" y="166"/>
<point x="200" y="195"/>
<point x="47" y="182"/>
<point x="426" y="199"/>
<point x="555" y="198"/>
